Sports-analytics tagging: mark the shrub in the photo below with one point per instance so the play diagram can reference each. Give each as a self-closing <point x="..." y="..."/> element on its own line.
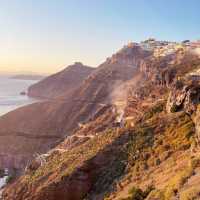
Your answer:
<point x="149" y="189"/>
<point x="174" y="109"/>
<point x="159" y="107"/>
<point x="136" y="193"/>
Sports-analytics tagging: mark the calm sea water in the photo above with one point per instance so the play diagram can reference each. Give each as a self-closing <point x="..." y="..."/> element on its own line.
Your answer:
<point x="10" y="97"/>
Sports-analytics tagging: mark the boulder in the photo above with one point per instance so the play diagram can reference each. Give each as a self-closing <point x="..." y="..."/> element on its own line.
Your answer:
<point x="183" y="97"/>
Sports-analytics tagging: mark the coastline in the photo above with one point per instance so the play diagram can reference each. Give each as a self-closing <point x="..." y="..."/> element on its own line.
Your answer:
<point x="10" y="97"/>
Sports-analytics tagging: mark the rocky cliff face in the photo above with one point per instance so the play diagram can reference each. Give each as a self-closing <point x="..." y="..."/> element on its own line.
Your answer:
<point x="184" y="97"/>
<point x="130" y="55"/>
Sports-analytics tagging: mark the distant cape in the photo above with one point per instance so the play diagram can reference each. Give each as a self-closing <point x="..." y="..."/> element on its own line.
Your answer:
<point x="28" y="77"/>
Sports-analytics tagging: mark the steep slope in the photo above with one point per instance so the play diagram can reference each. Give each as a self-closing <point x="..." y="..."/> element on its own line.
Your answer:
<point x="61" y="83"/>
<point x="37" y="127"/>
<point x="151" y="153"/>
<point x="111" y="162"/>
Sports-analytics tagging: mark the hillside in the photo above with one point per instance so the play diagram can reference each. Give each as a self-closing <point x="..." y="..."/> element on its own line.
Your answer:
<point x="154" y="154"/>
<point x="110" y="164"/>
<point x="37" y="127"/>
<point x="61" y="83"/>
<point x="130" y="131"/>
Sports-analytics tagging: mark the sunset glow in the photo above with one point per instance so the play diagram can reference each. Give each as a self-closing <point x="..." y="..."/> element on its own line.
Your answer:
<point x="46" y="36"/>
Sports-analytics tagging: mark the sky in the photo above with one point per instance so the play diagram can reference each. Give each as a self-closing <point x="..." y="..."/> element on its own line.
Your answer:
<point x="45" y="36"/>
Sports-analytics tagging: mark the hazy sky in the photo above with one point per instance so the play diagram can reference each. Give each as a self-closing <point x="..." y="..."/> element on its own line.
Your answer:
<point x="47" y="35"/>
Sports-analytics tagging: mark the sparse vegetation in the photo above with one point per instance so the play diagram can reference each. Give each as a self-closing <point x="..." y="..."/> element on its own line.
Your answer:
<point x="174" y="109"/>
<point x="177" y="182"/>
<point x="159" y="107"/>
<point x="156" y="194"/>
<point x="137" y="194"/>
<point x="127" y="153"/>
<point x="192" y="193"/>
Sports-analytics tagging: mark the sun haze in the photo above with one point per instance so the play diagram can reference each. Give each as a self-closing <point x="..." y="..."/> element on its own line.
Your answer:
<point x="45" y="36"/>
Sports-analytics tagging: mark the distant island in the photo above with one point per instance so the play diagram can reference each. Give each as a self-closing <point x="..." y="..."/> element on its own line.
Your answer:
<point x="28" y="77"/>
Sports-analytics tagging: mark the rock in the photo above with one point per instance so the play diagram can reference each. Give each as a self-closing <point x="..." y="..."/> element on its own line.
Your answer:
<point x="165" y="155"/>
<point x="183" y="96"/>
<point x="34" y="165"/>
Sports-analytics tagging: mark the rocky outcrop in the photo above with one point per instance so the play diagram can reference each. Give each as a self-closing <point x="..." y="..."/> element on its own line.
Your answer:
<point x="184" y="97"/>
<point x="130" y="55"/>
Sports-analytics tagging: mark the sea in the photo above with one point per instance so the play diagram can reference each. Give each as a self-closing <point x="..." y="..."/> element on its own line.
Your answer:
<point x="10" y="97"/>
